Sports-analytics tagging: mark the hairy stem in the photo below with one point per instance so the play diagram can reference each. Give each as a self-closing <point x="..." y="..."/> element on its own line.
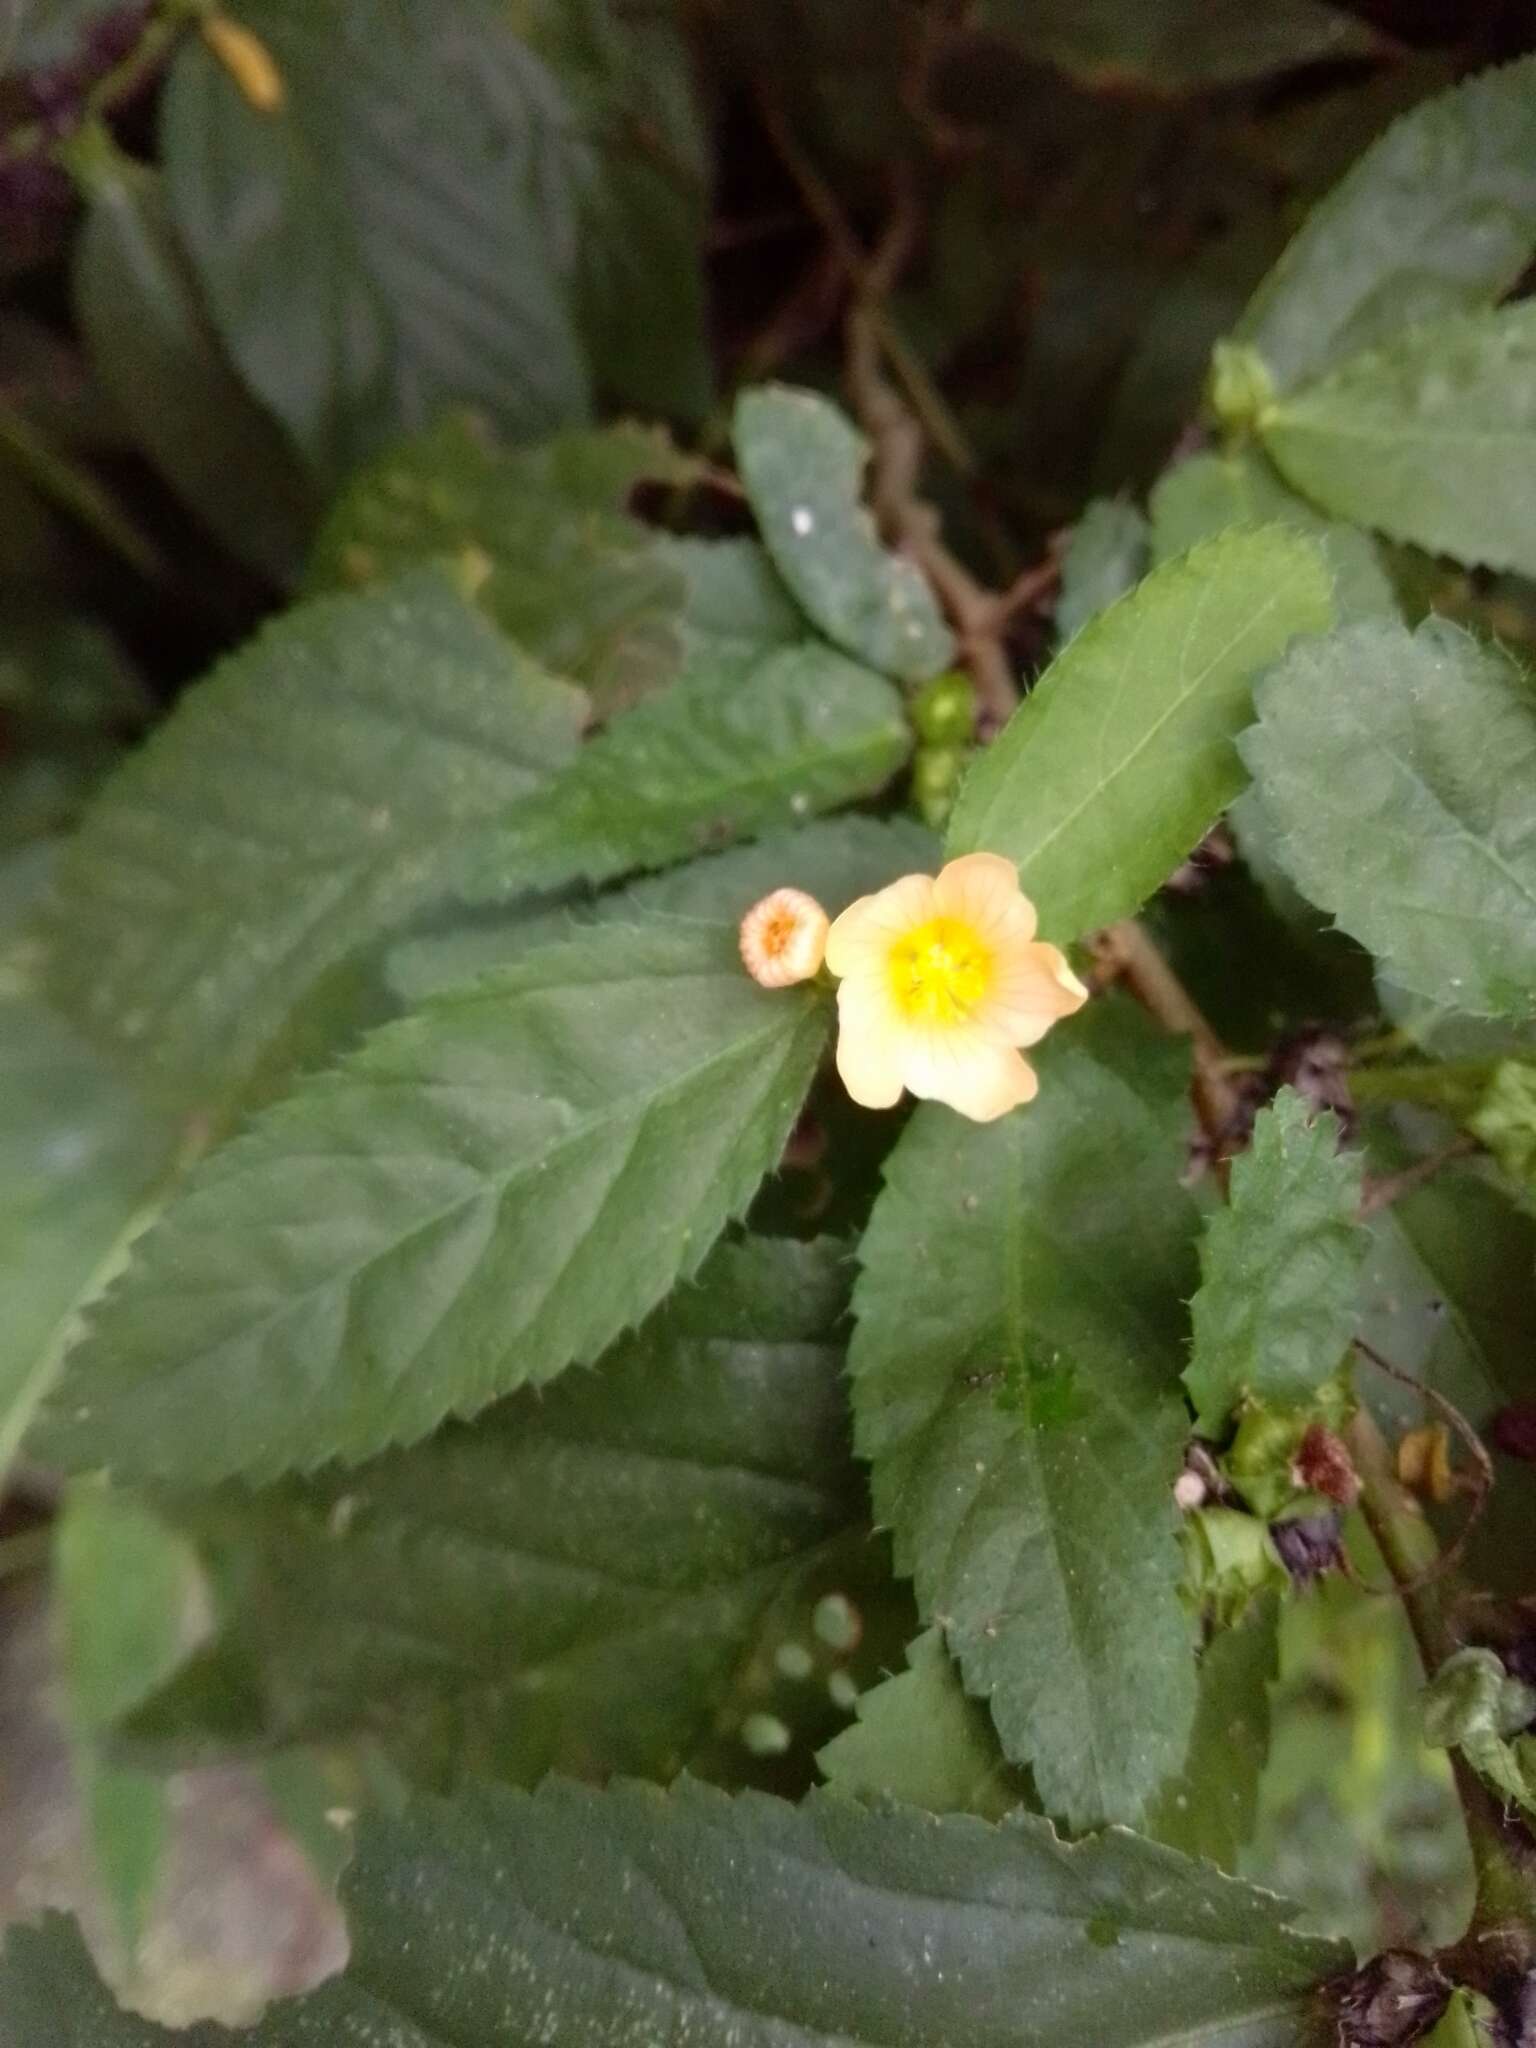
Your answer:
<point x="1128" y="951"/>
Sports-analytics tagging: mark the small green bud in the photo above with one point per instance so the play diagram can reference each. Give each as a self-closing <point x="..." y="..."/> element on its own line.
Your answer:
<point x="1240" y="391"/>
<point x="936" y="773"/>
<point x="944" y="711"/>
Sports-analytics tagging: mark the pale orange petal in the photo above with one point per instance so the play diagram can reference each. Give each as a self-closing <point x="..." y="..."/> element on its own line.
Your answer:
<point x="980" y="1080"/>
<point x="870" y="1049"/>
<point x="1054" y="962"/>
<point x="1033" y="991"/>
<point x="982" y="889"/>
<point x="867" y="927"/>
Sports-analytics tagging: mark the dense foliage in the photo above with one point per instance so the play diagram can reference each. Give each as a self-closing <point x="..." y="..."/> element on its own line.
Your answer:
<point x="530" y="1511"/>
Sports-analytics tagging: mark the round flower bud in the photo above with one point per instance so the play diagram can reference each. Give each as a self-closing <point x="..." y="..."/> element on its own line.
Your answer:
<point x="783" y="938"/>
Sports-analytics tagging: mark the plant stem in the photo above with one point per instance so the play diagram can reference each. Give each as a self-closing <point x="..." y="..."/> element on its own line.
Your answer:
<point x="79" y="494"/>
<point x="1128" y="950"/>
<point x="1382" y="1190"/>
<point x="1452" y="1085"/>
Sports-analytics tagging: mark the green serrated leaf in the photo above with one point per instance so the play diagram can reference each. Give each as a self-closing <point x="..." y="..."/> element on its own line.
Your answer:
<point x="1428" y="438"/>
<point x="1211" y="492"/>
<point x="920" y="1740"/>
<point x="304" y="796"/>
<point x="77" y="1154"/>
<point x="1106" y="557"/>
<point x="803" y="466"/>
<point x="1438" y="215"/>
<point x="740" y="744"/>
<point x="541" y="537"/>
<point x="832" y="859"/>
<point x="1398" y="772"/>
<point x="417" y="236"/>
<point x="486" y="1599"/>
<point x="1210" y="1806"/>
<point x="1044" y="1543"/>
<point x="151" y="344"/>
<point x="757" y="1924"/>
<point x="1281" y="1268"/>
<point x="486" y="1192"/>
<point x="1123" y="754"/>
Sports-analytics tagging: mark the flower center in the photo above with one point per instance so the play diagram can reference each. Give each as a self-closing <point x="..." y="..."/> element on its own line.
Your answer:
<point x="940" y="971"/>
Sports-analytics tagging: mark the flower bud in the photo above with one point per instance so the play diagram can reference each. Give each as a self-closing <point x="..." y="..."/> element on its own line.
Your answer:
<point x="783" y="938"/>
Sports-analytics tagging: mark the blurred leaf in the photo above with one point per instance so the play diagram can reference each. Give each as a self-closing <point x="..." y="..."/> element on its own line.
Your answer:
<point x="76" y="1154"/>
<point x="832" y="859"/>
<point x="241" y="1909"/>
<point x="1122" y="756"/>
<point x="485" y="1600"/>
<point x="920" y="1740"/>
<point x="752" y="1922"/>
<point x="1023" y="1422"/>
<point x="1178" y="46"/>
<point x="1280" y="1264"/>
<point x="541" y="537"/>
<point x="34" y="33"/>
<point x="1429" y="438"/>
<point x="132" y="1607"/>
<point x="68" y="702"/>
<point x="1210" y="1806"/>
<point x="733" y="594"/>
<point x="1439" y="215"/>
<point x="1473" y="1704"/>
<point x="1210" y="492"/>
<point x="739" y="744"/>
<point x="1354" y="1811"/>
<point x="643" y="172"/>
<point x="1397" y="770"/>
<point x="415" y="1231"/>
<point x="803" y="466"/>
<point x="1106" y="557"/>
<point x="132" y="1604"/>
<point x="400" y="234"/>
<point x="1447" y="1298"/>
<point x="301" y="798"/>
<point x="152" y="345"/>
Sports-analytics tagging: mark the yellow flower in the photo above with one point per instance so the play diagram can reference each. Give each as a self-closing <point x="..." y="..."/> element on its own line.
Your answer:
<point x="941" y="981"/>
<point x="783" y="938"/>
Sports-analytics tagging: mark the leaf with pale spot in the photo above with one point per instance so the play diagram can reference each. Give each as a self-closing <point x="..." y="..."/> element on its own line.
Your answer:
<point x="803" y="466"/>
